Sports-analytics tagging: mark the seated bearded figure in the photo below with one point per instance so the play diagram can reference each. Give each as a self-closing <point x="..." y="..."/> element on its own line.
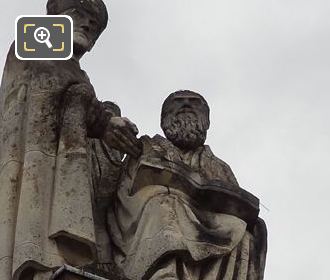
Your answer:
<point x="179" y="212"/>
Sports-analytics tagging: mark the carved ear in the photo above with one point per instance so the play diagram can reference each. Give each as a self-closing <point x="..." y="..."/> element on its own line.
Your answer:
<point x="205" y="119"/>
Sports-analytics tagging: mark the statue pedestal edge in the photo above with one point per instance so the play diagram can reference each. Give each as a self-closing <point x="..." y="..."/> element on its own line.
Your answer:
<point x="67" y="272"/>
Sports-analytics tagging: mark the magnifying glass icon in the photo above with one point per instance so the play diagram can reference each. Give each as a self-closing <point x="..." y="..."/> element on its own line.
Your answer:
<point x="42" y="35"/>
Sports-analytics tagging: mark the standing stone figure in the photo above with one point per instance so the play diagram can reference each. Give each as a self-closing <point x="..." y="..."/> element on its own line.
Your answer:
<point x="48" y="110"/>
<point x="179" y="211"/>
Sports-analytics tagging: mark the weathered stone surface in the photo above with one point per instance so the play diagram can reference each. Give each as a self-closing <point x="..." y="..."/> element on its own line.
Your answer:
<point x="46" y="217"/>
<point x="171" y="210"/>
<point x="71" y="273"/>
<point x="179" y="212"/>
<point x="72" y="215"/>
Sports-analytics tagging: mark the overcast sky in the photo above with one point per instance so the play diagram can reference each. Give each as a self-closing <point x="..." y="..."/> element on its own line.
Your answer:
<point x="264" y="67"/>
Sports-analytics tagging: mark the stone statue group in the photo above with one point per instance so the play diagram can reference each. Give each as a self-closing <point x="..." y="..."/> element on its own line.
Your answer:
<point x="78" y="188"/>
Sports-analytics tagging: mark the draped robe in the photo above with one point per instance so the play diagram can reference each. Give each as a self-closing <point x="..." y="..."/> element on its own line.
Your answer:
<point x="46" y="216"/>
<point x="160" y="231"/>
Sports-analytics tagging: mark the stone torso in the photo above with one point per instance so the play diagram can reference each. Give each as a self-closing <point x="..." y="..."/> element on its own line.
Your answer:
<point x="158" y="225"/>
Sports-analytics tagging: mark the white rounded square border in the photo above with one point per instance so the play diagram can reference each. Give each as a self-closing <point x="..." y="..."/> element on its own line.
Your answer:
<point x="37" y="59"/>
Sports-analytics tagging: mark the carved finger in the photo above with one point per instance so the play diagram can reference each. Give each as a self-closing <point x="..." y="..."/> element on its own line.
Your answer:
<point x="120" y="146"/>
<point x="127" y="137"/>
<point x="130" y="145"/>
<point x="132" y="126"/>
<point x="116" y="142"/>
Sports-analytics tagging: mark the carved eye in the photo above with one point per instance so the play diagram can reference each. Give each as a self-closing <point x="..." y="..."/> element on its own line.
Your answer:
<point x="195" y="101"/>
<point x="93" y="23"/>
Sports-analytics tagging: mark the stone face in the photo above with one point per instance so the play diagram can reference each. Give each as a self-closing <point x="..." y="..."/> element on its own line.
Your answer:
<point x="180" y="213"/>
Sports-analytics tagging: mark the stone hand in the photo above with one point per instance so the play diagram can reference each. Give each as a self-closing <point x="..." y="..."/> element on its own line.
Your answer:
<point x="121" y="134"/>
<point x="84" y="91"/>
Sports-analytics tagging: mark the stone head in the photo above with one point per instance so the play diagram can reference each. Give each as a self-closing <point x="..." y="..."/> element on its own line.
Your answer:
<point x="90" y="18"/>
<point x="185" y="119"/>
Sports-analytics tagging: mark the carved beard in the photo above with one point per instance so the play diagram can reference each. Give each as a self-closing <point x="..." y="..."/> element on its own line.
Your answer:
<point x="184" y="130"/>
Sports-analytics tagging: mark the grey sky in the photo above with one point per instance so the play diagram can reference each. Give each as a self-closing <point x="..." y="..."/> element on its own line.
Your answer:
<point x="264" y="67"/>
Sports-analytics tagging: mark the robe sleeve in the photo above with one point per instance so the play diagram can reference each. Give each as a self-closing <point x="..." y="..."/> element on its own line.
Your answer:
<point x="258" y="251"/>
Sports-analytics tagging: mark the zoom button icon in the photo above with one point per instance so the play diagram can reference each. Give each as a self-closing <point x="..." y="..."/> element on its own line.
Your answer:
<point x="44" y="37"/>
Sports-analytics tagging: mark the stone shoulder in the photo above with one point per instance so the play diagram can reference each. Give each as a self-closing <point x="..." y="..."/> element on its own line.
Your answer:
<point x="215" y="168"/>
